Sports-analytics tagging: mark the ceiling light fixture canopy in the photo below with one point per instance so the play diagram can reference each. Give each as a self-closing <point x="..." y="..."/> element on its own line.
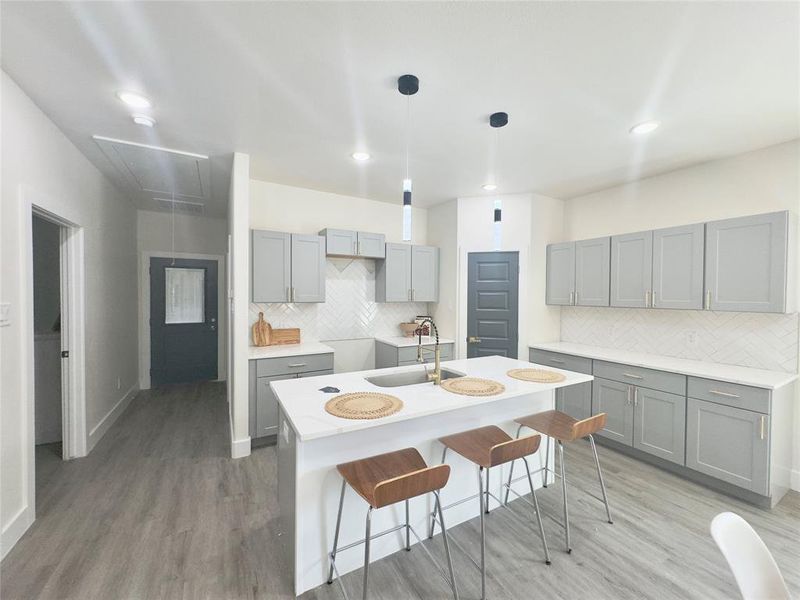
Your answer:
<point x="644" y="127"/>
<point x="134" y="99"/>
<point x="407" y="85"/>
<point x="360" y="156"/>
<point x="144" y="120"/>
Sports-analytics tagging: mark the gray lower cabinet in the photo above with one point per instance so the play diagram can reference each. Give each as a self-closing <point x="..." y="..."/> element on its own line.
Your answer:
<point x="746" y="263"/>
<point x="614" y="399"/>
<point x="631" y="269"/>
<point x="560" y="289"/>
<point x="575" y="400"/>
<point x="592" y="262"/>
<point x="287" y="267"/>
<point x="388" y="355"/>
<point x="659" y="424"/>
<point x="263" y="419"/>
<point x="731" y="444"/>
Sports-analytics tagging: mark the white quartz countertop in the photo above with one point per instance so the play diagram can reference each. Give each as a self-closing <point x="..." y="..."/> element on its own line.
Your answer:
<point x="304" y="405"/>
<point x="283" y="350"/>
<point x="403" y="342"/>
<point x="730" y="373"/>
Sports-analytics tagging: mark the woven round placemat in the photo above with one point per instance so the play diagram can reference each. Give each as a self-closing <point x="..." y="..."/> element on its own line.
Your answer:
<point x="363" y="405"/>
<point x="537" y="375"/>
<point x="473" y="386"/>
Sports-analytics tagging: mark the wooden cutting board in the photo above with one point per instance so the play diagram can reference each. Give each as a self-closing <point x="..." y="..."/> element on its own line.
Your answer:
<point x="261" y="331"/>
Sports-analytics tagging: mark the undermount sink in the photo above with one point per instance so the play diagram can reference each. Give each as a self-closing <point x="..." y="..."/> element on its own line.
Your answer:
<point x="409" y="378"/>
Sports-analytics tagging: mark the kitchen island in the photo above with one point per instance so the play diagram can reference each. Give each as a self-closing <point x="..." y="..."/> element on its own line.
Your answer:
<point x="311" y="442"/>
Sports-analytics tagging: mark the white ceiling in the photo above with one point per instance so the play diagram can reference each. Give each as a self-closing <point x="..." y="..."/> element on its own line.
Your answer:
<point x="299" y="86"/>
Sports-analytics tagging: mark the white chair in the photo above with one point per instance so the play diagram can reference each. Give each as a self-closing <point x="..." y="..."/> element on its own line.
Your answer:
<point x="750" y="560"/>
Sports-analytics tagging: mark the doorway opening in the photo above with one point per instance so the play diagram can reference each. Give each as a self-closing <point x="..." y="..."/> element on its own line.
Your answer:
<point x="492" y="304"/>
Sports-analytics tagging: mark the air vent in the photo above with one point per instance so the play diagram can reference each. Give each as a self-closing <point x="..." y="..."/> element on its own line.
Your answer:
<point x="181" y="206"/>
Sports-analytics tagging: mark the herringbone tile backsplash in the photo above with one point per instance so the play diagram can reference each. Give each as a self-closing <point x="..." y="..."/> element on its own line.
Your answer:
<point x="763" y="341"/>
<point x="349" y="311"/>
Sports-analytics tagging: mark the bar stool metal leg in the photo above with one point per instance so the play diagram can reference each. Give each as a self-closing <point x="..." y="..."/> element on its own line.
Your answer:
<point x="408" y="530"/>
<point x="538" y="512"/>
<point x="483" y="535"/>
<point x="446" y="546"/>
<point x="366" y="551"/>
<point x="433" y="514"/>
<point x="511" y="469"/>
<point x="486" y="502"/>
<point x="336" y="535"/>
<point x="600" y="477"/>
<point x="546" y="461"/>
<point x="564" y="494"/>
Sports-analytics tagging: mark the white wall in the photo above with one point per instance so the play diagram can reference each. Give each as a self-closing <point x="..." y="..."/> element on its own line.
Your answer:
<point x="300" y="210"/>
<point x="39" y="161"/>
<point x="755" y="182"/>
<point x="530" y="222"/>
<point x="197" y="235"/>
<point x="239" y="295"/>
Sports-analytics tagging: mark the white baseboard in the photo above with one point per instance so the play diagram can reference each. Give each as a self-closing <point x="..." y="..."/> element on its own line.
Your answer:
<point x="106" y="422"/>
<point x="15" y="529"/>
<point x="240" y="448"/>
<point x="795" y="482"/>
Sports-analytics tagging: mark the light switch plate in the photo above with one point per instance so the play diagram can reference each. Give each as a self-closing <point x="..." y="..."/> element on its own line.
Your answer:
<point x="5" y="314"/>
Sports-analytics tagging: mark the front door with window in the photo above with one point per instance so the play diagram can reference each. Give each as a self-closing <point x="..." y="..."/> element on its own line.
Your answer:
<point x="492" y="304"/>
<point x="183" y="320"/>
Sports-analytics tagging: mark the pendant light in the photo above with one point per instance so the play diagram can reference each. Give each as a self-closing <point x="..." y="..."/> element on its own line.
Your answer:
<point x="408" y="85"/>
<point x="496" y="121"/>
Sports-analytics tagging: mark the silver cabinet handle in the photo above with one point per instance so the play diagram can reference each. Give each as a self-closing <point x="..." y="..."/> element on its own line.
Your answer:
<point x="628" y="399"/>
<point x="571" y="298"/>
<point x="762" y="426"/>
<point x="647" y="299"/>
<point x="292" y="294"/>
<point x="295" y="365"/>
<point x="632" y="376"/>
<point x="358" y="248"/>
<point x="636" y="396"/>
<point x="288" y="294"/>
<point x="557" y="361"/>
<point x="653" y="300"/>
<point x="355" y="247"/>
<point x="576" y="297"/>
<point x="726" y="394"/>
<point x="708" y="300"/>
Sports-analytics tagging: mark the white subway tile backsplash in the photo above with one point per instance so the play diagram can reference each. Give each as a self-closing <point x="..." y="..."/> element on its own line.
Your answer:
<point x="763" y="341"/>
<point x="349" y="310"/>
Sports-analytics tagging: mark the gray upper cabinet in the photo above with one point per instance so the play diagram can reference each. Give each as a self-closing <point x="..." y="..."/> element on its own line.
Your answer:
<point x="424" y="274"/>
<point x="343" y="242"/>
<point x="271" y="277"/>
<point x="746" y="263"/>
<point x="308" y="268"/>
<point x="393" y="276"/>
<point x="560" y="274"/>
<point x="614" y="399"/>
<point x="592" y="262"/>
<point x="631" y="269"/>
<point x="659" y="424"/>
<point x="731" y="444"/>
<point x="678" y="267"/>
<point x="371" y="245"/>
<point x="340" y="242"/>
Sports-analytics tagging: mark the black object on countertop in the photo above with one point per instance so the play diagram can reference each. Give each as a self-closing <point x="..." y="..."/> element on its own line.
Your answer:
<point x="329" y="390"/>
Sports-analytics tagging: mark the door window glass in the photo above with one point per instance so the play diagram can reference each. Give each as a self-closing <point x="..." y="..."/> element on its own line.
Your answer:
<point x="185" y="295"/>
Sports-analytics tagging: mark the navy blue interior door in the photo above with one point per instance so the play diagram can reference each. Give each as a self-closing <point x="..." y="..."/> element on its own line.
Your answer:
<point x="183" y="320"/>
<point x="493" y="304"/>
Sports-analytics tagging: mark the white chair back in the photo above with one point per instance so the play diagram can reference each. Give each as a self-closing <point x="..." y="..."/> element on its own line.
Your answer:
<point x="750" y="560"/>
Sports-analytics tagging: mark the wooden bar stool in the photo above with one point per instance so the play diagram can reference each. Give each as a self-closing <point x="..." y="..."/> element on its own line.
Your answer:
<point x="489" y="447"/>
<point x="388" y="479"/>
<point x="564" y="428"/>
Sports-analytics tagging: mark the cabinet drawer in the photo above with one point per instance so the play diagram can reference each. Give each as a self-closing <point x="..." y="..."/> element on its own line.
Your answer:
<point x="408" y="353"/>
<point x="294" y="364"/>
<point x="648" y="378"/>
<point x="578" y="364"/>
<point x="729" y="394"/>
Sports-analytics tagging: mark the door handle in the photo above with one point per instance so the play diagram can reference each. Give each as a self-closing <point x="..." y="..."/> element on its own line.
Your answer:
<point x="473" y="340"/>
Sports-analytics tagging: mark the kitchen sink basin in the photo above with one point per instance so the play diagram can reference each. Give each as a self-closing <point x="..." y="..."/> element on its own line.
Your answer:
<point x="409" y="378"/>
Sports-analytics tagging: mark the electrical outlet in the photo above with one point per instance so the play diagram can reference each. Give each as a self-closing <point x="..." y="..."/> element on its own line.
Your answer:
<point x="5" y="314"/>
<point x="691" y="338"/>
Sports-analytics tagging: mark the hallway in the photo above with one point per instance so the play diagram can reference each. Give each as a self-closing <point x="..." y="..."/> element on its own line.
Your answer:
<point x="159" y="510"/>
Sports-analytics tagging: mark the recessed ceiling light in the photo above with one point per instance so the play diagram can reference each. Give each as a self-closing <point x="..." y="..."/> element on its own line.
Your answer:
<point x="144" y="120"/>
<point x="644" y="127"/>
<point x="134" y="99"/>
<point x="489" y="187"/>
<point x="360" y="156"/>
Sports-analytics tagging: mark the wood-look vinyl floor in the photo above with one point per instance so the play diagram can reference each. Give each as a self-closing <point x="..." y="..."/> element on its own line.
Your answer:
<point x="159" y="510"/>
